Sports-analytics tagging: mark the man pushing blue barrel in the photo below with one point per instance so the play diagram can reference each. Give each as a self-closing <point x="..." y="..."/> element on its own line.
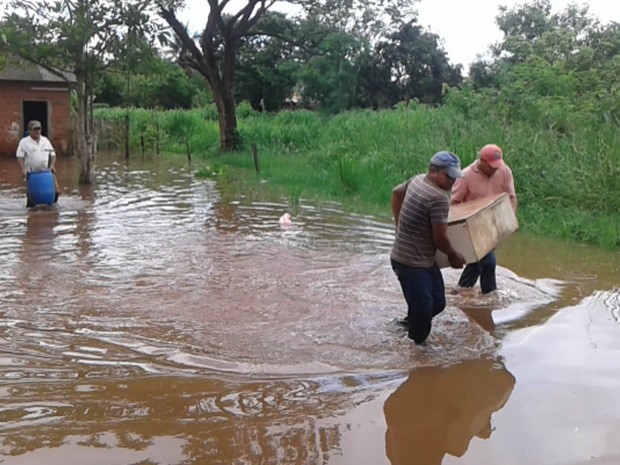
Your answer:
<point x="37" y="159"/>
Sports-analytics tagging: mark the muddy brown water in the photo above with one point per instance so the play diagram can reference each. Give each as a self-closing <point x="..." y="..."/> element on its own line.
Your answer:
<point x="156" y="318"/>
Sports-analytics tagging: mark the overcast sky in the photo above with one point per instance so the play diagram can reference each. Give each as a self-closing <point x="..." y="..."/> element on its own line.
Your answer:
<point x="467" y="27"/>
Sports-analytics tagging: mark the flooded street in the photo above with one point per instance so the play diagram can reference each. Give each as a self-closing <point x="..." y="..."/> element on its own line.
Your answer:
<point x="157" y="318"/>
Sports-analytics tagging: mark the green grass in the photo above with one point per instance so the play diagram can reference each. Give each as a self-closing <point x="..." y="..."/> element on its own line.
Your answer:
<point x="568" y="183"/>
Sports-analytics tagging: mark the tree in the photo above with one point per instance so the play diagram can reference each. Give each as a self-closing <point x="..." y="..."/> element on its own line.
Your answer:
<point x="109" y="89"/>
<point x="80" y="36"/>
<point x="154" y="84"/>
<point x="167" y="86"/>
<point x="409" y="63"/>
<point x="420" y="64"/>
<point x="215" y="53"/>
<point x="268" y="63"/>
<point x="555" y="70"/>
<point x="216" y="57"/>
<point x="330" y="77"/>
<point x="482" y="74"/>
<point x="533" y="30"/>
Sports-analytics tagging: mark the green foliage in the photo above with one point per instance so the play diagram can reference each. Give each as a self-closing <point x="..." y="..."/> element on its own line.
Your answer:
<point x="110" y="89"/>
<point x="245" y="110"/>
<point x="158" y="84"/>
<point x="410" y="64"/>
<point x="170" y="88"/>
<point x="267" y="64"/>
<point x="329" y="78"/>
<point x="285" y="132"/>
<point x="75" y="36"/>
<point x="343" y="55"/>
<point x="211" y="171"/>
<point x="559" y="70"/>
<point x="174" y="131"/>
<point x="209" y="112"/>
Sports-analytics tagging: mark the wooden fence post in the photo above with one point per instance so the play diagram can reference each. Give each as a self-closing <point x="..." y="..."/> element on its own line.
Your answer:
<point x="256" y="161"/>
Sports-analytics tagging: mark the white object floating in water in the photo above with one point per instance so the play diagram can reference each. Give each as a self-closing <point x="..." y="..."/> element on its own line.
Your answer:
<point x="285" y="220"/>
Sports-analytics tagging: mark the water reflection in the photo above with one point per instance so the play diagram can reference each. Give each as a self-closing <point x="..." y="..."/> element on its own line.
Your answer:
<point x="40" y="225"/>
<point x="438" y="411"/>
<point x="204" y="422"/>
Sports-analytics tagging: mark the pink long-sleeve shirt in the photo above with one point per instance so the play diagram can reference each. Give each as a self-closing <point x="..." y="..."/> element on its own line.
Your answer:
<point x="475" y="184"/>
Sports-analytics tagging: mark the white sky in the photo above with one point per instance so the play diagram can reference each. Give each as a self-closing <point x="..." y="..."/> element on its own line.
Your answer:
<point x="467" y="27"/>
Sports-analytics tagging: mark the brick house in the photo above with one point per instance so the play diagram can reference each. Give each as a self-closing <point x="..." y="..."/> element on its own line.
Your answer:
<point x="28" y="91"/>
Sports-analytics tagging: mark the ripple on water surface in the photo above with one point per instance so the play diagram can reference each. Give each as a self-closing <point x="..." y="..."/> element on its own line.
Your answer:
<point x="163" y="276"/>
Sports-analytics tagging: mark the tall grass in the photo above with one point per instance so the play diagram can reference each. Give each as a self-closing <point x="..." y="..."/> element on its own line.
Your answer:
<point x="568" y="183"/>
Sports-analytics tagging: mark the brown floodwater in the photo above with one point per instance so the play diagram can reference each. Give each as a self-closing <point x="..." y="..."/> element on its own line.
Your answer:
<point x="157" y="318"/>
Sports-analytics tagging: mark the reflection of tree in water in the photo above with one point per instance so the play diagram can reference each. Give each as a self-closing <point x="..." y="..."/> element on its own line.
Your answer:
<point x="212" y="422"/>
<point x="438" y="411"/>
<point x="18" y="444"/>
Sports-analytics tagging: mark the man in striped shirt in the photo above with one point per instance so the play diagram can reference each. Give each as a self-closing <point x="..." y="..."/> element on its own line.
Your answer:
<point x="420" y="208"/>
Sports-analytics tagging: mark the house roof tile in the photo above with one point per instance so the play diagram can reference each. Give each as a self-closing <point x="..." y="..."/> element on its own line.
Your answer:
<point x="26" y="71"/>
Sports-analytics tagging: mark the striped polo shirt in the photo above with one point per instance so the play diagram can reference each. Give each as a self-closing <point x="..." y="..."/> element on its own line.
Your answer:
<point x="425" y="203"/>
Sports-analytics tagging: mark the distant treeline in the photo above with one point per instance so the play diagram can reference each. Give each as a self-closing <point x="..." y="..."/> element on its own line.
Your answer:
<point x="548" y="67"/>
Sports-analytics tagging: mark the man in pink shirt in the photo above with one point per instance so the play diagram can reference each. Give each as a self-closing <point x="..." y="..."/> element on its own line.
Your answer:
<point x="488" y="175"/>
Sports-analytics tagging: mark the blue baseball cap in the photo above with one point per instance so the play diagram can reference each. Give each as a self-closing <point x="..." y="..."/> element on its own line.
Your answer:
<point x="450" y="162"/>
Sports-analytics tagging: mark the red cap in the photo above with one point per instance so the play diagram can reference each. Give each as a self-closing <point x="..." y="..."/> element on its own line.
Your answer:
<point x="493" y="155"/>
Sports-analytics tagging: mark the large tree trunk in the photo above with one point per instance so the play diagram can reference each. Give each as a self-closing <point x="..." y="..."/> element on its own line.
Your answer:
<point x="225" y="94"/>
<point x="84" y="139"/>
<point x="227" y="117"/>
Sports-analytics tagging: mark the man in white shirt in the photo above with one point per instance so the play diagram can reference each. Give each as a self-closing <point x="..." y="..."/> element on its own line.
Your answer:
<point x="36" y="153"/>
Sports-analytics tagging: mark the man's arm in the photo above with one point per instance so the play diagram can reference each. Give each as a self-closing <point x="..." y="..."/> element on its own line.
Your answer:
<point x="442" y="242"/>
<point x="515" y="203"/>
<point x="398" y="196"/>
<point x="20" y="162"/>
<point x="459" y="191"/>
<point x="510" y="189"/>
<point x="439" y="223"/>
<point x="21" y="155"/>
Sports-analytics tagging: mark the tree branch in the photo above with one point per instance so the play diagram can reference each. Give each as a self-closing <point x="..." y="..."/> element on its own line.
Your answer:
<point x="259" y="13"/>
<point x="181" y="32"/>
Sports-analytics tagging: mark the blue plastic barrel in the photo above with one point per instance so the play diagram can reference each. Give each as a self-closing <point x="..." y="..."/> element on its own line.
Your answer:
<point x="41" y="189"/>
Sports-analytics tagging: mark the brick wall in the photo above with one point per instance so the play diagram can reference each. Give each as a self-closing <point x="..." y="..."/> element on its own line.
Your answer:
<point x="12" y="95"/>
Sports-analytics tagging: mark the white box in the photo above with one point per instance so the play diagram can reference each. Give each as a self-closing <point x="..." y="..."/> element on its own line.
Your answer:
<point x="476" y="228"/>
